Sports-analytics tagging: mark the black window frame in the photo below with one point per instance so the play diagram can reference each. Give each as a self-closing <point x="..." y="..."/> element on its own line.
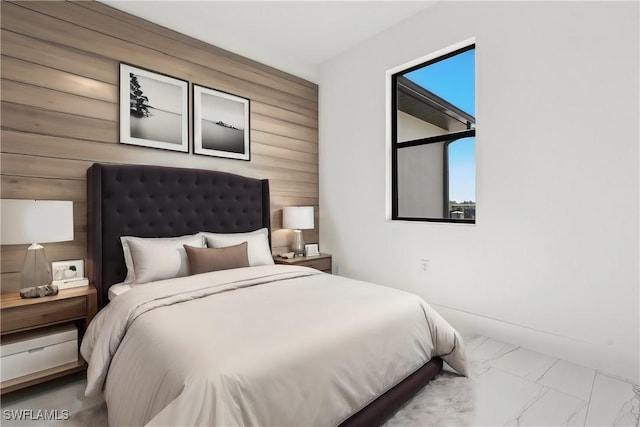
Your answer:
<point x="447" y="138"/>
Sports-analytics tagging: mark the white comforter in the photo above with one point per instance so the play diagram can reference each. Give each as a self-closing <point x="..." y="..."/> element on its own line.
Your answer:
<point x="271" y="346"/>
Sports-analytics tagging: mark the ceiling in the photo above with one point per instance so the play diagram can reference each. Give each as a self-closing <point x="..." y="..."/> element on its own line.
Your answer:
<point x="294" y="36"/>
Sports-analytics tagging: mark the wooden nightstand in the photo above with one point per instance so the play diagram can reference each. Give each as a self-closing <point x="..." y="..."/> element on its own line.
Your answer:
<point x="320" y="262"/>
<point x="17" y="315"/>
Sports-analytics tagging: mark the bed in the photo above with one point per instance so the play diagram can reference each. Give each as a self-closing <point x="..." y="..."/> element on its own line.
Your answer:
<point x="254" y="345"/>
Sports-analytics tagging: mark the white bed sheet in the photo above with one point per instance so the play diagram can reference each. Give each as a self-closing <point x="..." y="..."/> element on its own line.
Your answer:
<point x="118" y="289"/>
<point x="271" y="345"/>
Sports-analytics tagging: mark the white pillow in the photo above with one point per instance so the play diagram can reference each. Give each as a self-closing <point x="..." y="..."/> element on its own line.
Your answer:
<point x="196" y="240"/>
<point x="258" y="250"/>
<point x="159" y="260"/>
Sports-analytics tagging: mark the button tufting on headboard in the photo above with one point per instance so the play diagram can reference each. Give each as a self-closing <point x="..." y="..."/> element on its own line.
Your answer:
<point x="155" y="201"/>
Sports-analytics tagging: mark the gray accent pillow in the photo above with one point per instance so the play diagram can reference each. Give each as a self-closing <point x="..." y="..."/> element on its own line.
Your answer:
<point x="203" y="260"/>
<point x="258" y="251"/>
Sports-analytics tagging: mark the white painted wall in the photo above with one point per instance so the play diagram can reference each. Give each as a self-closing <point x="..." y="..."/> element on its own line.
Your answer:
<point x="553" y="260"/>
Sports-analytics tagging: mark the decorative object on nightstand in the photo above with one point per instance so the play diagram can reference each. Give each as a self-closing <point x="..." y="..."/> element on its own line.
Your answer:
<point x="35" y="222"/>
<point x="39" y="291"/>
<point x="298" y="218"/>
<point x="320" y="262"/>
<point x="311" y="250"/>
<point x="69" y="274"/>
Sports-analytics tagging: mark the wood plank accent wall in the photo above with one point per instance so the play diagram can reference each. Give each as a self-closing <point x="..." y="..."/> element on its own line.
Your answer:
<point x="59" y="105"/>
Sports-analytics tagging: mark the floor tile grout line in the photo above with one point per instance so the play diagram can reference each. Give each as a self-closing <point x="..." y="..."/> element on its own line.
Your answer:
<point x="584" y="403"/>
<point x="500" y="355"/>
<point x="536" y="383"/>
<point x="471" y="350"/>
<point x="615" y="377"/>
<point x="546" y="371"/>
<point x="619" y="378"/>
<point x="535" y="400"/>
<point x="593" y="383"/>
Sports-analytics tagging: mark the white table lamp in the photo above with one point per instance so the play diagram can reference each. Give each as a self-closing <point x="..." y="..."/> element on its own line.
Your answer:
<point x="298" y="218"/>
<point x="35" y="222"/>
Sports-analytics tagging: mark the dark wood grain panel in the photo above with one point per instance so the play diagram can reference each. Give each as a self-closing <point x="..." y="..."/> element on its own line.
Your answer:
<point x="278" y="202"/>
<point x="59" y="57"/>
<point x="76" y="107"/>
<point x="54" y="100"/>
<point x="10" y="282"/>
<point x="284" y="141"/>
<point x="261" y="166"/>
<point x="286" y="115"/>
<point x="279" y="127"/>
<point x="31" y="73"/>
<point x="79" y="217"/>
<point x="17" y="318"/>
<point x="44" y="167"/>
<point x="36" y="120"/>
<point x="20" y="187"/>
<point x="27" y="88"/>
<point x="284" y="153"/>
<point x="287" y="187"/>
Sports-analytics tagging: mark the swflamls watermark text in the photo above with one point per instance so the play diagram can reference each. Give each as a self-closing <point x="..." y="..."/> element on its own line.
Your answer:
<point x="35" y="414"/>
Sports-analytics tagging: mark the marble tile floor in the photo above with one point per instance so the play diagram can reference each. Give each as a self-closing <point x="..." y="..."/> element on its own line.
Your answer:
<point x="509" y="386"/>
<point x="514" y="386"/>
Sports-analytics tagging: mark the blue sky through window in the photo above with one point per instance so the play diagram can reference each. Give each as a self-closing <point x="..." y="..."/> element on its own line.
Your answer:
<point x="454" y="80"/>
<point x="462" y="170"/>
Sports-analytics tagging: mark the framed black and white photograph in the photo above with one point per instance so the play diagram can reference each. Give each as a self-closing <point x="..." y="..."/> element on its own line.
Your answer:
<point x="67" y="270"/>
<point x="154" y="109"/>
<point x="220" y="124"/>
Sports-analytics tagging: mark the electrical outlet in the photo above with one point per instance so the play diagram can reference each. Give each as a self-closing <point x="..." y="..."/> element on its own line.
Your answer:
<point x="424" y="264"/>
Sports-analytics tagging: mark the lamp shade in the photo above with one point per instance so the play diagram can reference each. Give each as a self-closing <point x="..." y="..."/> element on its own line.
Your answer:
<point x="297" y="217"/>
<point x="36" y="221"/>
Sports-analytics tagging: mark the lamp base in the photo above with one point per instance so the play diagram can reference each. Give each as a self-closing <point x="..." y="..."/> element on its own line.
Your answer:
<point x="36" y="270"/>
<point x="298" y="243"/>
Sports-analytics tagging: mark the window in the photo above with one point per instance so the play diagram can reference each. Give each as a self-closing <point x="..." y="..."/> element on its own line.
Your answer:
<point x="433" y="139"/>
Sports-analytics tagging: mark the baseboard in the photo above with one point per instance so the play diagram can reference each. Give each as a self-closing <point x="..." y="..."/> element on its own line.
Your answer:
<point x="603" y="358"/>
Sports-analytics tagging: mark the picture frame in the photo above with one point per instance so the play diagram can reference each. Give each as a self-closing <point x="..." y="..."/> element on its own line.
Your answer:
<point x="311" y="250"/>
<point x="221" y="125"/>
<point x="67" y="270"/>
<point x="154" y="109"/>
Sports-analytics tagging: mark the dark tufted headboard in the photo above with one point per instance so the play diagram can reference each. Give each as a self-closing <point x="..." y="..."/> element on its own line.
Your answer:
<point x="156" y="201"/>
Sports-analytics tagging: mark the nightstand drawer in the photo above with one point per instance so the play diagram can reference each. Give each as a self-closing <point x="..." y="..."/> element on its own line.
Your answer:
<point x="24" y="353"/>
<point x="16" y="318"/>
<point x="319" y="264"/>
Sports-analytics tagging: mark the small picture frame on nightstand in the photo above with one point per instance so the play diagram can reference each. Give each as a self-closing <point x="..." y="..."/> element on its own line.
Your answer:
<point x="69" y="274"/>
<point x="67" y="270"/>
<point x="311" y="250"/>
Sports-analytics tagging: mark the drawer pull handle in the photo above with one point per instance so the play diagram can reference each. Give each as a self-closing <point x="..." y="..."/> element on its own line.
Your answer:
<point x="33" y="350"/>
